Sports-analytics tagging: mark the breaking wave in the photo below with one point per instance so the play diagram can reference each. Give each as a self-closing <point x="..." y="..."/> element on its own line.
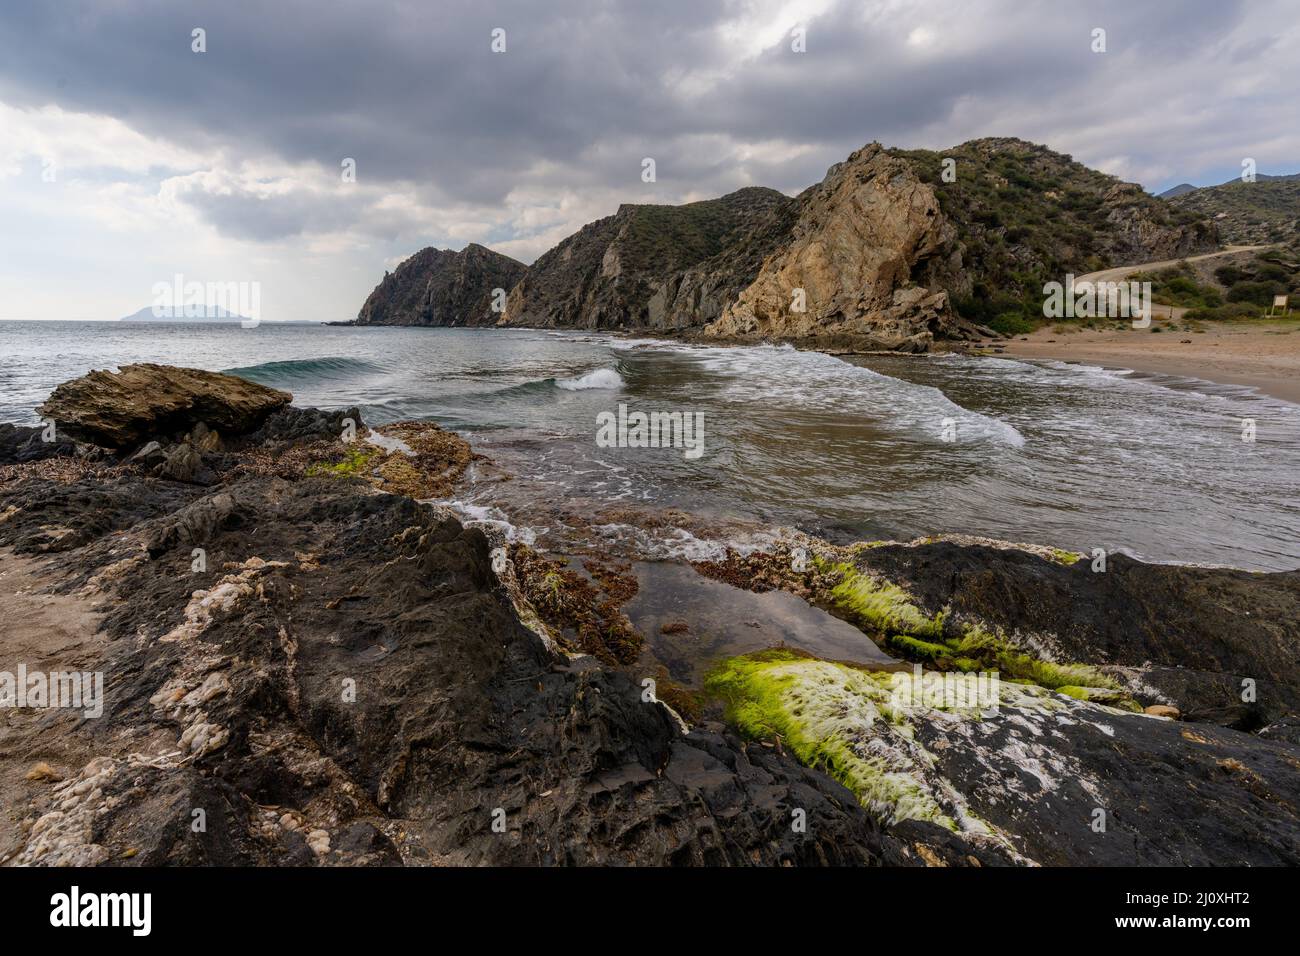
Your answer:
<point x="599" y="378"/>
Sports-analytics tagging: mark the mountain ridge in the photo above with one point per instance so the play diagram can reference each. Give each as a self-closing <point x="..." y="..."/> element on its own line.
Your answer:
<point x="1265" y="211"/>
<point x="887" y="252"/>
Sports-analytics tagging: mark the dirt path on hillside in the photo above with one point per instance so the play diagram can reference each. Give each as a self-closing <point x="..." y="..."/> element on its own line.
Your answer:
<point x="1158" y="311"/>
<point x="1123" y="272"/>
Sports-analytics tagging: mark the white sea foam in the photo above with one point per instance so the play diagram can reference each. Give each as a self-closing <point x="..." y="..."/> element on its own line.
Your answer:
<point x="672" y="543"/>
<point x="598" y="378"/>
<point x="764" y="374"/>
<point x="490" y="517"/>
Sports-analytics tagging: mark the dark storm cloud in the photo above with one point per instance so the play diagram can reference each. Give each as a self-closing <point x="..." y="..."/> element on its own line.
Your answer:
<point x="414" y="93"/>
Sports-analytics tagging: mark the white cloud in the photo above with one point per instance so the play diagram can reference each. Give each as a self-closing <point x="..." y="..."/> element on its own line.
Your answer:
<point x="77" y="143"/>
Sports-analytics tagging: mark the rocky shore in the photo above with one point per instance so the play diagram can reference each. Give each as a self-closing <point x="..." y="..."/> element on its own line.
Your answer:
<point x="308" y="661"/>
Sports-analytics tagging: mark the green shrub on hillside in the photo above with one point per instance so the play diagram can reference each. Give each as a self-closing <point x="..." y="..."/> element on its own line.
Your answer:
<point x="1011" y="323"/>
<point x="1225" y="313"/>
<point x="1178" y="286"/>
<point x="1258" y="293"/>
<point x="1027" y="216"/>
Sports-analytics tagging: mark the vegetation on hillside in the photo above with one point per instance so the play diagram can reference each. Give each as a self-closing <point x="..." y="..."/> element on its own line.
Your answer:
<point x="1239" y="290"/>
<point x="1267" y="210"/>
<point x="1028" y="215"/>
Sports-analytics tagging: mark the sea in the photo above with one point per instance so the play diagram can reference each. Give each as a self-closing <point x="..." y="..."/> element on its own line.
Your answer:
<point x="856" y="448"/>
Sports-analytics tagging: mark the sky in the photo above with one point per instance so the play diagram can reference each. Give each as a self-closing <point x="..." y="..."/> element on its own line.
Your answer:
<point x="128" y="157"/>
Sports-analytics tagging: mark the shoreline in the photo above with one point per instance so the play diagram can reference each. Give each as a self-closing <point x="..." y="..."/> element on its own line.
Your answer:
<point x="1264" y="355"/>
<point x="497" y="675"/>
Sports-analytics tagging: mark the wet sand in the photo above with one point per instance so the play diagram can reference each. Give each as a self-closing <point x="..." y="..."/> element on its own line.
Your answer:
<point x="1261" y="354"/>
<point x="47" y="632"/>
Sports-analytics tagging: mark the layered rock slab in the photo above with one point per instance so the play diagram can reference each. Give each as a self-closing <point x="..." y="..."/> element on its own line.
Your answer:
<point x="123" y="409"/>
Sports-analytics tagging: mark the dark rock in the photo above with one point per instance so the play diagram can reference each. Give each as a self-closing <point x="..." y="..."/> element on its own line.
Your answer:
<point x="1201" y="695"/>
<point x="122" y="409"/>
<point x="362" y="844"/>
<point x="293" y="424"/>
<point x="55" y="516"/>
<point x="149" y="454"/>
<point x="1286" y="730"/>
<point x="1192" y="634"/>
<point x="1232" y="798"/>
<point x="23" y="443"/>
<point x="195" y="523"/>
<point x="441" y="287"/>
<point x="185" y="463"/>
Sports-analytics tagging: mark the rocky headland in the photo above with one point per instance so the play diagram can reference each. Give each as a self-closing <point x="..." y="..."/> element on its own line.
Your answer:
<point x="443" y="288"/>
<point x="893" y="250"/>
<point x="302" y="649"/>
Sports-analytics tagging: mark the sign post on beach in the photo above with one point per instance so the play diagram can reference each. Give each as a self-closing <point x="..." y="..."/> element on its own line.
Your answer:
<point x="1279" y="302"/>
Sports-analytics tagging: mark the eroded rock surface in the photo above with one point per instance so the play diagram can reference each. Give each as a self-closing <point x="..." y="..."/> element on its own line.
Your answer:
<point x="347" y="663"/>
<point x="1055" y="780"/>
<point x="1173" y="634"/>
<point x="867" y="263"/>
<point x="305" y="670"/>
<point x="126" y="408"/>
<point x="326" y="673"/>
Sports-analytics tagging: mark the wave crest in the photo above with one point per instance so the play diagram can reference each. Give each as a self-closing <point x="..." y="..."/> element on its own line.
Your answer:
<point x="598" y="378"/>
<point x="302" y="370"/>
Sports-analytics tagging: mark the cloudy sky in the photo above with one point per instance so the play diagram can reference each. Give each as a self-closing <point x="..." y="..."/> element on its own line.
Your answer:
<point x="126" y="157"/>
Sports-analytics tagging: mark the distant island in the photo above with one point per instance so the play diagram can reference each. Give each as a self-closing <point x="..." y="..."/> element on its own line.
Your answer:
<point x="211" y="313"/>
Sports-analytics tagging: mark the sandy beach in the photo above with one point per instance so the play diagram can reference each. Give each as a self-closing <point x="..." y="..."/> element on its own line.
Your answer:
<point x="1262" y="354"/>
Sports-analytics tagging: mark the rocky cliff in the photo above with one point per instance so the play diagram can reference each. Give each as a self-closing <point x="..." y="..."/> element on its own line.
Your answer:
<point x="441" y="287"/>
<point x="654" y="267"/>
<point x="865" y="265"/>
<point x="886" y="252"/>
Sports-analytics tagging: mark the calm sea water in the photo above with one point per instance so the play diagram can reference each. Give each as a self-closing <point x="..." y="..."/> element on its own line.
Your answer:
<point x="1070" y="456"/>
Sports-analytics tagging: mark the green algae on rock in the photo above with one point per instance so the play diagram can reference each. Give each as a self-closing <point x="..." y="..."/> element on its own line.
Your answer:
<point x="889" y="614"/>
<point x="887" y="734"/>
<point x="886" y="608"/>
<point x="417" y="459"/>
<point x="844" y="721"/>
<point x="354" y="463"/>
